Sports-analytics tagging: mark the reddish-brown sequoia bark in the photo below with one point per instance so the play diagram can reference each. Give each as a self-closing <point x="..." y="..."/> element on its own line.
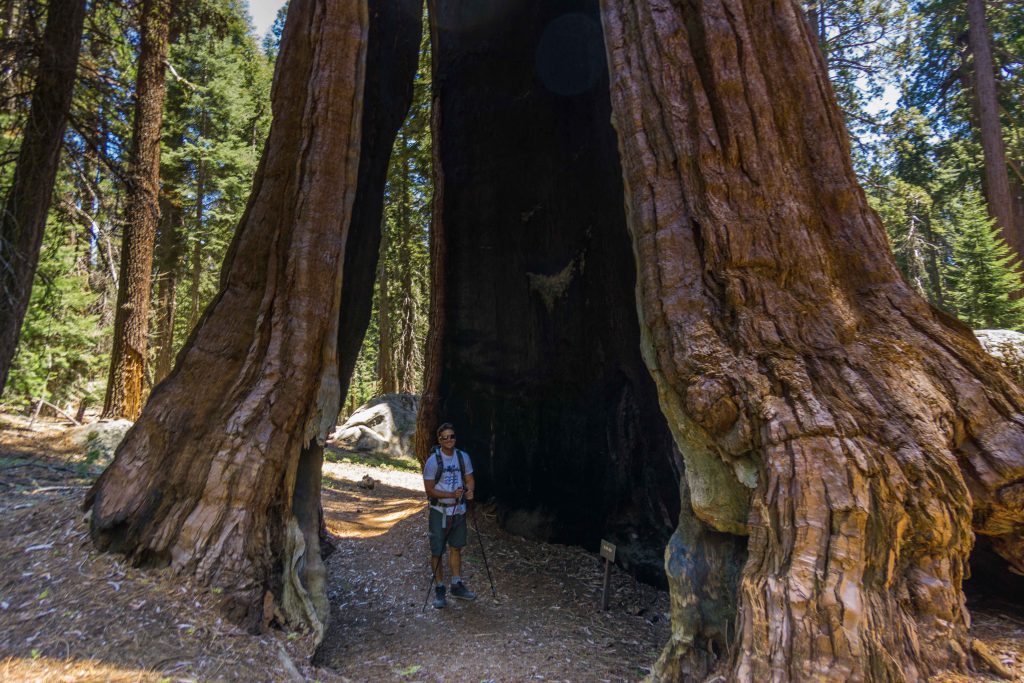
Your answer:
<point x="209" y="479"/>
<point x="822" y="407"/>
<point x="129" y="355"/>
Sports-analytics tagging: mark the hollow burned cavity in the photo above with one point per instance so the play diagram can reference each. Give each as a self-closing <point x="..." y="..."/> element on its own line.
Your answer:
<point x="537" y="358"/>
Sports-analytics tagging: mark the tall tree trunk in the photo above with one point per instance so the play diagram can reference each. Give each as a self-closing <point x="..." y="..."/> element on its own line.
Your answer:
<point x="129" y="355"/>
<point x="996" y="180"/>
<point x="429" y="413"/>
<point x="195" y="280"/>
<point x="932" y="262"/>
<point x="854" y="424"/>
<point x="28" y="198"/>
<point x="405" y="345"/>
<point x="386" y="383"/>
<point x="168" y="259"/>
<point x="407" y="351"/>
<point x="197" y="246"/>
<point x="210" y="480"/>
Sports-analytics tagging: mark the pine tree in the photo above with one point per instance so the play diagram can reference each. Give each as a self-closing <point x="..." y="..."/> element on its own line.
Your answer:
<point x="59" y="356"/>
<point x="974" y="96"/>
<point x="216" y="122"/>
<point x="862" y="42"/>
<point x="27" y="199"/>
<point x="984" y="272"/>
<point x="391" y="357"/>
<point x="128" y="358"/>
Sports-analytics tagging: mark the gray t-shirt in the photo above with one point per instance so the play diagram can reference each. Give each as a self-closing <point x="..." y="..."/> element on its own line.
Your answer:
<point x="451" y="478"/>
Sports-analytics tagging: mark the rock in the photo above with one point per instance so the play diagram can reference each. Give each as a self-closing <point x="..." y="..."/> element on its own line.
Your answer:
<point x="367" y="482"/>
<point x="1007" y="347"/>
<point x="385" y="425"/>
<point x="100" y="439"/>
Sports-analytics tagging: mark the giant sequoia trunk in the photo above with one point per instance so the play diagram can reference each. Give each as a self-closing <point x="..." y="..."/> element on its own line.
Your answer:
<point x="209" y="480"/>
<point x="130" y="352"/>
<point x="856" y="427"/>
<point x="28" y="199"/>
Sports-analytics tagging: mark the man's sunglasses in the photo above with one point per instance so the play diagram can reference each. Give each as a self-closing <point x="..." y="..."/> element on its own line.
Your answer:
<point x="448" y="437"/>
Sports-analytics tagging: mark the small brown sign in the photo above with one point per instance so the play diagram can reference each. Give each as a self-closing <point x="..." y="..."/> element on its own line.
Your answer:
<point x="607" y="551"/>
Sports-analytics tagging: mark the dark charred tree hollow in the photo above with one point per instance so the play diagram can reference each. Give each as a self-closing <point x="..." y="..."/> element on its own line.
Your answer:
<point x="540" y="366"/>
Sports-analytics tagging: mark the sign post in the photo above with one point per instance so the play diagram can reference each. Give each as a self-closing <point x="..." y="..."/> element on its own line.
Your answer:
<point x="608" y="553"/>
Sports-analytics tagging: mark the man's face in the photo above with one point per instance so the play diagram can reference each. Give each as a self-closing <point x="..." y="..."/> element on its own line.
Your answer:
<point x="447" y="439"/>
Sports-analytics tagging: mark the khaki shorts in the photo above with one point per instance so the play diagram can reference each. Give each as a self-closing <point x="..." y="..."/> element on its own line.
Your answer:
<point x="456" y="534"/>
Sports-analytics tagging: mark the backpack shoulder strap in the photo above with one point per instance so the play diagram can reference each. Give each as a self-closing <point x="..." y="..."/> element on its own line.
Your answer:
<point x="462" y="465"/>
<point x="440" y="465"/>
<point x="436" y="454"/>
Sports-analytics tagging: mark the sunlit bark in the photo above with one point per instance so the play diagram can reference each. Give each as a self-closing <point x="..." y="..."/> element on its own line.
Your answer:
<point x="822" y="407"/>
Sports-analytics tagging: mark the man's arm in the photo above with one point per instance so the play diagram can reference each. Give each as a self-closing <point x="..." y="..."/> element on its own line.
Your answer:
<point x="470" y="486"/>
<point x="435" y="491"/>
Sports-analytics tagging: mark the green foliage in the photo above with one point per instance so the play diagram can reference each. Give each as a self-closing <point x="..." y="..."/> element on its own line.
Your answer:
<point x="941" y="63"/>
<point x="863" y="42"/>
<point x="59" y="356"/>
<point x="272" y="41"/>
<point x="216" y="122"/>
<point x="926" y="167"/>
<point x="391" y="358"/>
<point x="983" y="273"/>
<point x="216" y="119"/>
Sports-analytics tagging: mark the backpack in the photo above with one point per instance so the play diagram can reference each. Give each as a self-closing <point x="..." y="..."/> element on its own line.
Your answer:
<point x="440" y="470"/>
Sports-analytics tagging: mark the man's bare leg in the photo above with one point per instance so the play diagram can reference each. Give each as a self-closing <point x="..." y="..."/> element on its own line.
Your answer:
<point x="455" y="561"/>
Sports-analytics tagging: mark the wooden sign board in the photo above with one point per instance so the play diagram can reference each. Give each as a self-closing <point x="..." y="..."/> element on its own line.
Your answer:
<point x="607" y="551"/>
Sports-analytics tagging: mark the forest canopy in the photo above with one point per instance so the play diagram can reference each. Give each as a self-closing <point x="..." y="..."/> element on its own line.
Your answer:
<point x="902" y="70"/>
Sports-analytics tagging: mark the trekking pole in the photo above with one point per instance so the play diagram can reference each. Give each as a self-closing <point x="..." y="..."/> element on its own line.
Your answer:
<point x="448" y="519"/>
<point x="476" y="524"/>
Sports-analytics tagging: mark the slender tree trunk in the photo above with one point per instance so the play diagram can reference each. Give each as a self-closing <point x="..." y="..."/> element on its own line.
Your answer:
<point x="129" y="355"/>
<point x="406" y="343"/>
<point x="28" y="198"/>
<point x="822" y="407"/>
<point x="427" y="417"/>
<point x="386" y="352"/>
<point x="168" y="259"/>
<point x="932" y="262"/>
<point x="197" y="247"/>
<point x="996" y="180"/>
<point x="210" y="480"/>
<point x="407" y="352"/>
<point x="195" y="279"/>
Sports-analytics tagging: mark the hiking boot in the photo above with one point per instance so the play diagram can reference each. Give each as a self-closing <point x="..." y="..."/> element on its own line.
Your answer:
<point x="460" y="591"/>
<point x="439" y="601"/>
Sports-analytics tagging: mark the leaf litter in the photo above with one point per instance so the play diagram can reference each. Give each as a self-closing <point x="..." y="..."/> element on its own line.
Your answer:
<point x="68" y="613"/>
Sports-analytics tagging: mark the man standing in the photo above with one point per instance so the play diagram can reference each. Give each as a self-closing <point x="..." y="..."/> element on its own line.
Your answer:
<point x="448" y="480"/>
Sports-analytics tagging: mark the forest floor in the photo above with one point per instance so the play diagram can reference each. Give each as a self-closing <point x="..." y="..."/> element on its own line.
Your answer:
<point x="68" y="613"/>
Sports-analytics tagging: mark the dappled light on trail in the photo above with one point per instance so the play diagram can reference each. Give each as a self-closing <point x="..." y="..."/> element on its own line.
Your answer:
<point x="54" y="670"/>
<point x="363" y="505"/>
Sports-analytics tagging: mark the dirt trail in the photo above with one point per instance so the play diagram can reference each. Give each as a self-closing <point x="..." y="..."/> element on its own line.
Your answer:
<point x="68" y="613"/>
<point x="544" y="623"/>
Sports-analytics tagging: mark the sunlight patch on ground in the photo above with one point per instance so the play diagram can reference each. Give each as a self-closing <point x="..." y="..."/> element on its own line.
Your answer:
<point x="353" y="473"/>
<point x="371" y="518"/>
<point x="48" y="670"/>
<point x="363" y="502"/>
